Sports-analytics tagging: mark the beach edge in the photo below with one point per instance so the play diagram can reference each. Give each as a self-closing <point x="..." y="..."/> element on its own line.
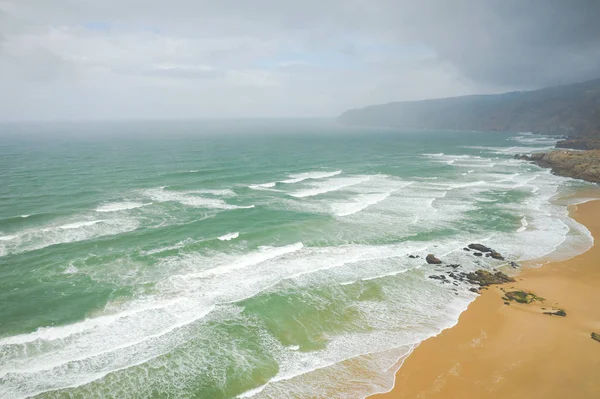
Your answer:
<point x="515" y="350"/>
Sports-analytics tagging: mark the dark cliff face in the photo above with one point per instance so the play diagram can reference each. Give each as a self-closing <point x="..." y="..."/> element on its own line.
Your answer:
<point x="580" y="143"/>
<point x="565" y="110"/>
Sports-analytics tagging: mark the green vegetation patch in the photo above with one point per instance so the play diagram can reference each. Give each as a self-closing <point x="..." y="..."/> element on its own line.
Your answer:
<point x="522" y="297"/>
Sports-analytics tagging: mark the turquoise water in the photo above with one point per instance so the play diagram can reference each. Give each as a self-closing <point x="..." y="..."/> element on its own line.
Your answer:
<point x="251" y="258"/>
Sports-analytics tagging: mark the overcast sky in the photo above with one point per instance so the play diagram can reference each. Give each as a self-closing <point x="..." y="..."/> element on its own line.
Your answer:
<point x="104" y="59"/>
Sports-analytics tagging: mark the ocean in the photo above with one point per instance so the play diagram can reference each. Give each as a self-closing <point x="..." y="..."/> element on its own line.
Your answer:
<point x="251" y="258"/>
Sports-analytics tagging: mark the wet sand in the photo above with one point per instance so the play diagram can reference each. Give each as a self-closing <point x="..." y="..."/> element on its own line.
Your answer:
<point x="516" y="351"/>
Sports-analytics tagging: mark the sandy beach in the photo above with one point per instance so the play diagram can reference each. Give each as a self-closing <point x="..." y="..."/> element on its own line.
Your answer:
<point x="517" y="351"/>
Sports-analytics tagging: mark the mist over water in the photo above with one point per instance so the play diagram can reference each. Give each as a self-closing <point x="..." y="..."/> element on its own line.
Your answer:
<point x="265" y="259"/>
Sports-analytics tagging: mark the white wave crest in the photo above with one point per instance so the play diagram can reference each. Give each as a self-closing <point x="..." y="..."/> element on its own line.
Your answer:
<point x="524" y="225"/>
<point x="229" y="236"/>
<point x="120" y="206"/>
<point x="264" y="186"/>
<point x="33" y="239"/>
<point x="262" y="255"/>
<point x="191" y="199"/>
<point x="76" y="225"/>
<point x="296" y="178"/>
<point x="329" y="186"/>
<point x="360" y="203"/>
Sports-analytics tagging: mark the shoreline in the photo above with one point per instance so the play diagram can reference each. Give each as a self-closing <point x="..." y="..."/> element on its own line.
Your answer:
<point x="498" y="351"/>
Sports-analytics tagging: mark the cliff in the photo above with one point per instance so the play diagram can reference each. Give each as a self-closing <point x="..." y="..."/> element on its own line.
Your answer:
<point x="580" y="143"/>
<point x="565" y="110"/>
<point x="583" y="165"/>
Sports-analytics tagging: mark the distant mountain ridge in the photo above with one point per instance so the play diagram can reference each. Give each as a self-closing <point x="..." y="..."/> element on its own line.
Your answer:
<point x="563" y="110"/>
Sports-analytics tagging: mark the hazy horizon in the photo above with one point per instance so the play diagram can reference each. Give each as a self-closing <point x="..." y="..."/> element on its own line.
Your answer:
<point x="104" y="60"/>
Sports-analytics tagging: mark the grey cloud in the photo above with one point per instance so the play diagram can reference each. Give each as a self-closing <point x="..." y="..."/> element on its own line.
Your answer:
<point x="522" y="43"/>
<point x="281" y="58"/>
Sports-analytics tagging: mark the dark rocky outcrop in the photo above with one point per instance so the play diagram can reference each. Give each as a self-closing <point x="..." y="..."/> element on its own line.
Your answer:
<point x="559" y="312"/>
<point x="596" y="336"/>
<point x="583" y="165"/>
<point x="480" y="248"/>
<point x="432" y="260"/>
<point x="532" y="157"/>
<point x="489" y="252"/>
<point x="484" y="278"/>
<point x="580" y="143"/>
<point x="440" y="277"/>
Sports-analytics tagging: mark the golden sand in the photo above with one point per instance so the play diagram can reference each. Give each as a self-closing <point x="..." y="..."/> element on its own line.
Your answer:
<point x="516" y="351"/>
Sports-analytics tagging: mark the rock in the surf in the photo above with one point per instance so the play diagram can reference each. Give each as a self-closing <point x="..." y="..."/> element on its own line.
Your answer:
<point x="480" y="248"/>
<point x="440" y="277"/>
<point x="432" y="260"/>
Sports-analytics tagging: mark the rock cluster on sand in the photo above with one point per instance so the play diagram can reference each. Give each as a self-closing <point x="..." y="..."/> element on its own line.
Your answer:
<point x="521" y="297"/>
<point x="480" y="278"/>
<point x="596" y="336"/>
<point x="559" y="312"/>
<point x="484" y="278"/>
